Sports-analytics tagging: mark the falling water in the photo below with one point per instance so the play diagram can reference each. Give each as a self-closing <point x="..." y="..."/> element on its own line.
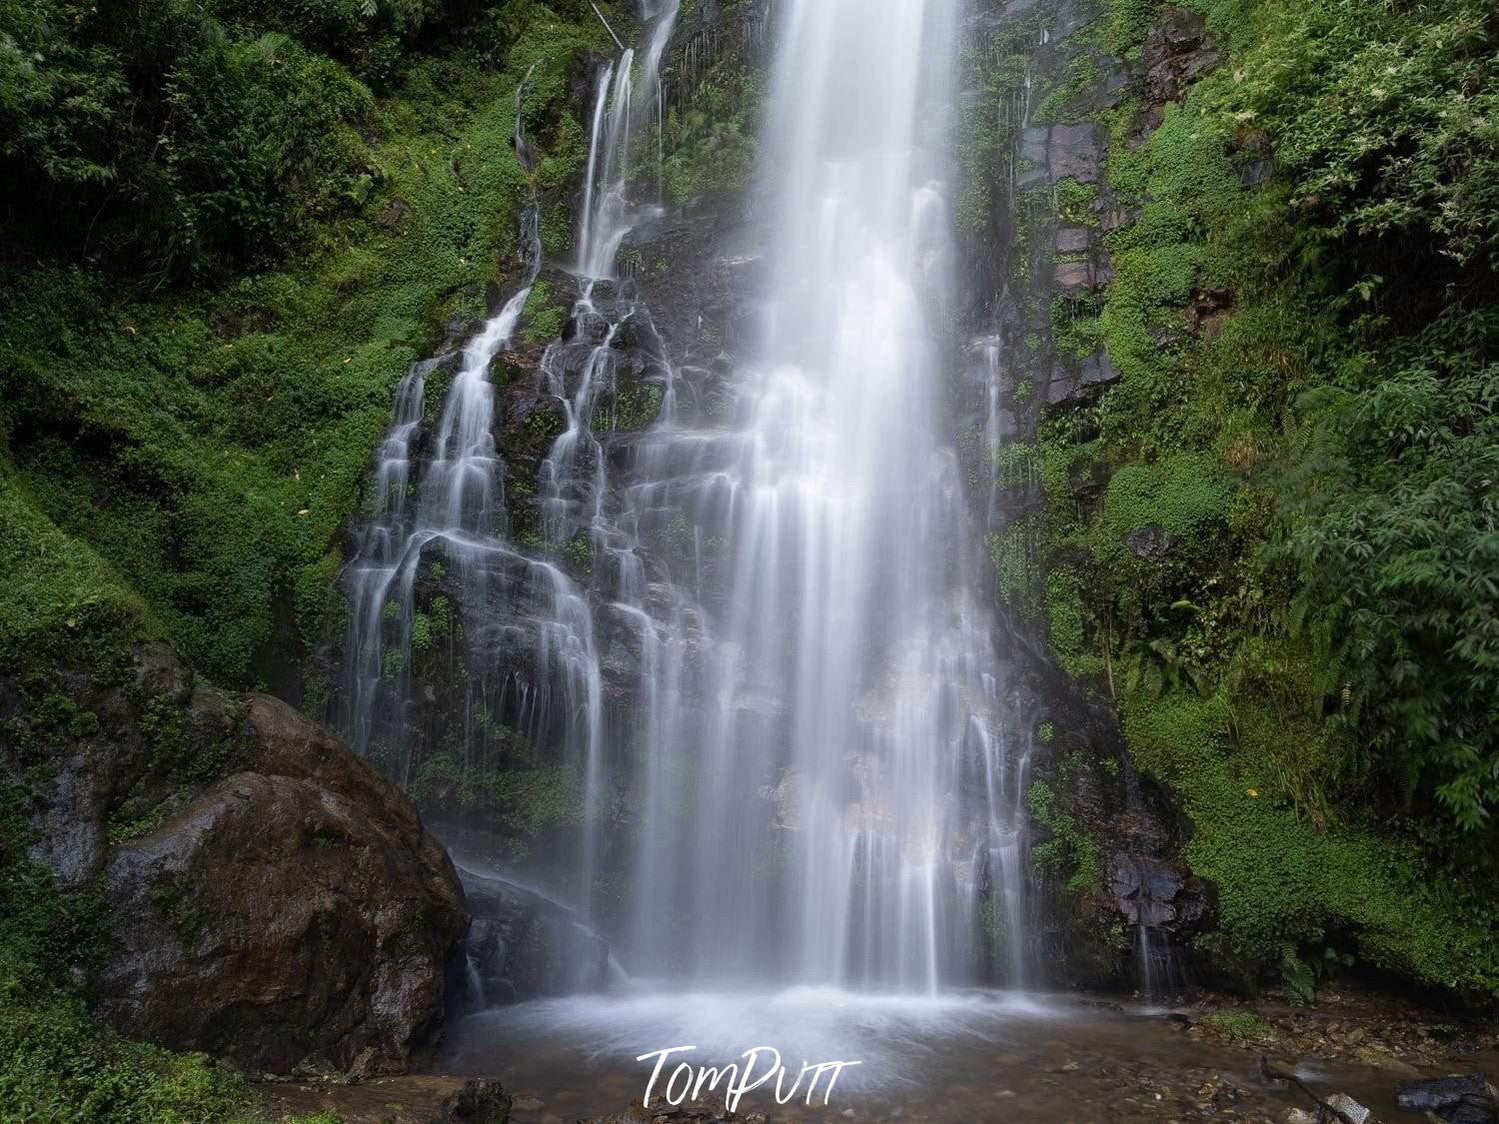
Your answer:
<point x="834" y="809"/>
<point x="807" y="772"/>
<point x="622" y="118"/>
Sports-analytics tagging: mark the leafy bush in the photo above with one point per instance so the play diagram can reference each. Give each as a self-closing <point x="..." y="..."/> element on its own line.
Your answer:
<point x="259" y="146"/>
<point x="1398" y="539"/>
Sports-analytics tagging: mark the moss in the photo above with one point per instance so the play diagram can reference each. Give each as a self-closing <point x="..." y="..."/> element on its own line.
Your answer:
<point x="1243" y="1025"/>
<point x="1070" y="853"/>
<point x="58" y="1063"/>
<point x="1281" y="880"/>
<point x="544" y="316"/>
<point x="1074" y="202"/>
<point x="1128" y="22"/>
<point x="1059" y="104"/>
<point x="135" y="817"/>
<point x="1181" y="493"/>
<point x="171" y="898"/>
<point x="578" y="551"/>
<point x="422" y="632"/>
<point x="1227" y="306"/>
<point x="1069" y="627"/>
<point x="636" y="408"/>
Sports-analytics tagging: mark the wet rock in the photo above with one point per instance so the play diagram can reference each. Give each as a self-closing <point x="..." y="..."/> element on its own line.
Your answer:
<point x="1073" y="152"/>
<point x="1033" y="142"/>
<point x="1256" y="172"/>
<point x="1114" y="218"/>
<point x="525" y="946"/>
<point x="250" y="863"/>
<point x="299" y="902"/>
<point x="1083" y="384"/>
<point x="1098" y="371"/>
<point x="1467" y="1099"/>
<point x="1073" y="240"/>
<point x="586" y="327"/>
<point x="1176" y="52"/>
<point x="1073" y="277"/>
<point x="1089" y="485"/>
<point x="1349" y="1107"/>
<point x="1150" y="543"/>
<point x="1155" y="893"/>
<point x="480" y="1101"/>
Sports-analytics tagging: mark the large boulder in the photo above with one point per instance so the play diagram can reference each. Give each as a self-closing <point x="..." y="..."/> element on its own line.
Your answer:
<point x="299" y="903"/>
<point x="271" y="898"/>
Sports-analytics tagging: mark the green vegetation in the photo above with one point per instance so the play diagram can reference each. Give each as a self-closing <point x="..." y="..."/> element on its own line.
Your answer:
<point x="544" y="316"/>
<point x="1243" y="1025"/>
<point x="988" y="122"/>
<point x="1288" y="584"/>
<point x="208" y="443"/>
<point x="712" y="142"/>
<point x="1070" y="854"/>
<point x="230" y="229"/>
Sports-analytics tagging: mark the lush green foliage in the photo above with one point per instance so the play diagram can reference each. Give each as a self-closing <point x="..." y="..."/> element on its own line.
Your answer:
<point x="176" y="462"/>
<point x="186" y="138"/>
<point x="1304" y="645"/>
<point x="713" y="140"/>
<point x="1245" y="1025"/>
<point x="208" y="445"/>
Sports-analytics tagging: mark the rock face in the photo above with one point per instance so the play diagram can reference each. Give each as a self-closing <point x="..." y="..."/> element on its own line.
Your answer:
<point x="525" y="946"/>
<point x="1176" y="53"/>
<point x="272" y="899"/>
<point x="1156" y="893"/>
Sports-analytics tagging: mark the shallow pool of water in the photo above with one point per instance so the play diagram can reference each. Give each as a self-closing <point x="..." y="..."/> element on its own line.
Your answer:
<point x="962" y="1057"/>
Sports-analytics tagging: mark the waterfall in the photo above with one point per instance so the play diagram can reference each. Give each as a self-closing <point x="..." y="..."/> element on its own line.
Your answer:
<point x="621" y="119"/>
<point x="776" y="673"/>
<point x="832" y="811"/>
<point x="459" y="519"/>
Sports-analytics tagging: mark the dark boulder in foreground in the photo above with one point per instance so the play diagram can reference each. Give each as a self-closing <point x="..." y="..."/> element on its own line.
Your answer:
<point x="271" y="898"/>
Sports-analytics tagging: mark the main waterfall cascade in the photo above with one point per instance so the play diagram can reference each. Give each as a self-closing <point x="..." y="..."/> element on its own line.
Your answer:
<point x="816" y="778"/>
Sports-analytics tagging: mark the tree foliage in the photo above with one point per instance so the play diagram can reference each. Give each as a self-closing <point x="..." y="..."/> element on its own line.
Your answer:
<point x="190" y="138"/>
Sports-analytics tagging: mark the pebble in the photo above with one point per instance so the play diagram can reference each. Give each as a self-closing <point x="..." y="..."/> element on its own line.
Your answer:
<point x="1349" y="1107"/>
<point x="528" y="1104"/>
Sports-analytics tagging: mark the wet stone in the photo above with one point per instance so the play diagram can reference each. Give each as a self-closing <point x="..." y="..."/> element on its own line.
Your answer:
<point x="1073" y="240"/>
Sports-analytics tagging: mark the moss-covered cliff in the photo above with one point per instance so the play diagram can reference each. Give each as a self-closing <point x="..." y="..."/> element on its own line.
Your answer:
<point x="1267" y="537"/>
